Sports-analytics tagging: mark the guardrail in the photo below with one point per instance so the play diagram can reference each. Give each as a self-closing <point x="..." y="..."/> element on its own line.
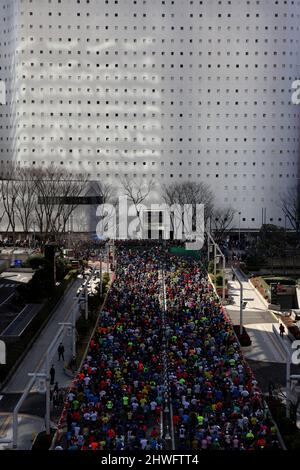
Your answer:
<point x="280" y="439"/>
<point x="60" y="423"/>
<point x="22" y="321"/>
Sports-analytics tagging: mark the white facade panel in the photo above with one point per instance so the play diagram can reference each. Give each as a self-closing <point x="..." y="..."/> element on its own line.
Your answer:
<point x="172" y="90"/>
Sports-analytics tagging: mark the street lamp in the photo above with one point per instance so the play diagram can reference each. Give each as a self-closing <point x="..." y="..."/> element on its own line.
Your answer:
<point x="42" y="389"/>
<point x="241" y="298"/>
<point x="239" y="229"/>
<point x="100" y="274"/>
<point x="243" y="301"/>
<point x="211" y="242"/>
<point x="33" y="235"/>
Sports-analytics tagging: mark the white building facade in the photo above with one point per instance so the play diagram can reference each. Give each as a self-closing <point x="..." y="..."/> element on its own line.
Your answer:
<point x="170" y="90"/>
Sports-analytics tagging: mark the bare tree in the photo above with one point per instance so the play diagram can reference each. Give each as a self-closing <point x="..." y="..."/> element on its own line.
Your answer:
<point x="54" y="190"/>
<point x="105" y="190"/>
<point x="106" y="211"/>
<point x="69" y="188"/>
<point x="26" y="198"/>
<point x="221" y="222"/>
<point x="137" y="190"/>
<point x="187" y="193"/>
<point x="290" y="205"/>
<point x="9" y="193"/>
<point x="46" y="196"/>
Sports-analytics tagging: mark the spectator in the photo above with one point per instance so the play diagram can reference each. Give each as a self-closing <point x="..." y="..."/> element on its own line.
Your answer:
<point x="281" y="330"/>
<point x="61" y="352"/>
<point x="52" y="374"/>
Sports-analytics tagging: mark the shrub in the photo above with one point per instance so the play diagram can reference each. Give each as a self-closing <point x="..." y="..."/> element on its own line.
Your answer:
<point x="36" y="262"/>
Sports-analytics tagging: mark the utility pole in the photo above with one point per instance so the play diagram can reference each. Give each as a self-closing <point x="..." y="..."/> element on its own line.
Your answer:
<point x="215" y="261"/>
<point x="45" y="376"/>
<point x="47" y="367"/>
<point x="167" y="415"/>
<point x="211" y="242"/>
<point x="241" y="299"/>
<point x="34" y="235"/>
<point x="18" y="406"/>
<point x="106" y="256"/>
<point x="86" y="306"/>
<point x="100" y="274"/>
<point x="86" y="296"/>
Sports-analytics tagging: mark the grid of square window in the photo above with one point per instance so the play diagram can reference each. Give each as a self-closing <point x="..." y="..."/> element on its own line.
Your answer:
<point x="177" y="90"/>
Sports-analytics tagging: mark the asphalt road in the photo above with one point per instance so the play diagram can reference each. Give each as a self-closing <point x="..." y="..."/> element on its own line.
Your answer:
<point x="34" y="360"/>
<point x="7" y="289"/>
<point x="9" y="281"/>
<point x="33" y="405"/>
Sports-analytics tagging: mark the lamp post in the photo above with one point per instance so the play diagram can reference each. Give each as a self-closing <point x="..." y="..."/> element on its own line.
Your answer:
<point x="242" y="300"/>
<point x="239" y="229"/>
<point x="34" y="235"/>
<point x="33" y="377"/>
<point x="100" y="274"/>
<point x="285" y="243"/>
<point x="86" y="295"/>
<point x="211" y="242"/>
<point x="45" y="375"/>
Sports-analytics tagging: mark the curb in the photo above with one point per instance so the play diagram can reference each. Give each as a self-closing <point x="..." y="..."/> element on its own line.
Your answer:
<point x="35" y="337"/>
<point x="58" y="427"/>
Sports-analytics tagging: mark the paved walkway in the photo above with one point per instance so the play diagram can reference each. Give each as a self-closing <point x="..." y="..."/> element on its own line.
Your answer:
<point x="34" y="360"/>
<point x="266" y="345"/>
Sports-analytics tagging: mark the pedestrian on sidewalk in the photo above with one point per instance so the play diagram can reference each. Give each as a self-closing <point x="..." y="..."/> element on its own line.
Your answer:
<point x="281" y="330"/>
<point x="52" y="375"/>
<point x="61" y="352"/>
<point x="56" y="388"/>
<point x="73" y="363"/>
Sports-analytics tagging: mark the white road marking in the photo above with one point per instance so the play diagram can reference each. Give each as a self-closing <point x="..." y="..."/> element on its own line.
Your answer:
<point x="4" y="302"/>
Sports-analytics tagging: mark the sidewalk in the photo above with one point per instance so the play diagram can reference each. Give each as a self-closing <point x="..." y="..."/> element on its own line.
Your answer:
<point x="259" y="321"/>
<point x="34" y="360"/>
<point x="255" y="311"/>
<point x="267" y="346"/>
<point x="248" y="292"/>
<point x="34" y="406"/>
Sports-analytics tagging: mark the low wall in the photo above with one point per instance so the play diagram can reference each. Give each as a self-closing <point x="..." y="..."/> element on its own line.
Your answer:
<point x="264" y="301"/>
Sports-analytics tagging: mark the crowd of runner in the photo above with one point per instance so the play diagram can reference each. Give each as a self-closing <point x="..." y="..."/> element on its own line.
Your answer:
<point x="217" y="403"/>
<point x="117" y="399"/>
